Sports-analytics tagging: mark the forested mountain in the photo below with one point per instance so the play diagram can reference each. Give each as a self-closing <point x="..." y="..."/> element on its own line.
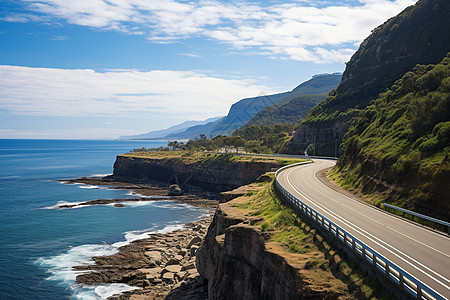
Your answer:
<point x="399" y="150"/>
<point x="418" y="35"/>
<point x="298" y="102"/>
<point x="290" y="112"/>
<point x="283" y="107"/>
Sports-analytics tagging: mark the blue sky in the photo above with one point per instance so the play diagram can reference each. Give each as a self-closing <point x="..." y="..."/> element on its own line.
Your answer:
<point x="101" y="69"/>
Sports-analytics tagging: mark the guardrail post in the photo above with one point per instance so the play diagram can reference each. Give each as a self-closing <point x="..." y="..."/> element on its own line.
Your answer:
<point x="401" y="280"/>
<point x="419" y="292"/>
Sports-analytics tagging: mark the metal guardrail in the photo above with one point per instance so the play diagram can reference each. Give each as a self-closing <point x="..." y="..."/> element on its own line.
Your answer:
<point x="274" y="155"/>
<point x="437" y="221"/>
<point x="403" y="279"/>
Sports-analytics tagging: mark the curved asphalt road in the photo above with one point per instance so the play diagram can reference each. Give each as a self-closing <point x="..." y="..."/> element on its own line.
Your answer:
<point x="421" y="252"/>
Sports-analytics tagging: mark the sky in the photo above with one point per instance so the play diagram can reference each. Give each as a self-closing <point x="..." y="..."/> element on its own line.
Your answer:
<point x="94" y="69"/>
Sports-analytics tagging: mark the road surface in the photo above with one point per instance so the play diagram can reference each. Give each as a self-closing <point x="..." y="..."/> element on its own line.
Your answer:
<point x="421" y="252"/>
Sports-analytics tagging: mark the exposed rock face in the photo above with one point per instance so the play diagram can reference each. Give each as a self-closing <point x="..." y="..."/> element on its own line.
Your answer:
<point x="237" y="265"/>
<point x="414" y="36"/>
<point x="174" y="190"/>
<point x="215" y="175"/>
<point x="326" y="138"/>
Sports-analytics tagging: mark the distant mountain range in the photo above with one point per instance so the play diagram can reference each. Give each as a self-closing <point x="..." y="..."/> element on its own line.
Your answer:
<point x="161" y="134"/>
<point x="283" y="107"/>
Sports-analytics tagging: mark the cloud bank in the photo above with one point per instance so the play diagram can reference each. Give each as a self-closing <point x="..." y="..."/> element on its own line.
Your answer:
<point x="85" y="92"/>
<point x="297" y="30"/>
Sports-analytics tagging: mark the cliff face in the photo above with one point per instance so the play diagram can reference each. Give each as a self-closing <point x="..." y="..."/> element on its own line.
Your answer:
<point x="418" y="35"/>
<point x="326" y="138"/>
<point x="237" y="264"/>
<point x="215" y="175"/>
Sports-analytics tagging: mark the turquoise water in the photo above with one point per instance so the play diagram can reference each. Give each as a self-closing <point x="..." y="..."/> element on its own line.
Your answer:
<point x="40" y="244"/>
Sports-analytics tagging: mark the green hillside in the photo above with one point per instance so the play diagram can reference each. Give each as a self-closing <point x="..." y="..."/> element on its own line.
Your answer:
<point x="318" y="84"/>
<point x="399" y="150"/>
<point x="294" y="106"/>
<point x="418" y="35"/>
<point x="290" y="112"/>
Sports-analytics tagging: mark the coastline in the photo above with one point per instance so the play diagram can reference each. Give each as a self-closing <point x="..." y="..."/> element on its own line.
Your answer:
<point x="154" y="191"/>
<point x="160" y="265"/>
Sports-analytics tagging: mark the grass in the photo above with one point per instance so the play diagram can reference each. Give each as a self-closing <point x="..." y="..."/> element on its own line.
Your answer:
<point x="324" y="265"/>
<point x="190" y="157"/>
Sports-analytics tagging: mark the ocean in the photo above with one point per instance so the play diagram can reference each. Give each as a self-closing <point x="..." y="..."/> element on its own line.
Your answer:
<point x="39" y="244"/>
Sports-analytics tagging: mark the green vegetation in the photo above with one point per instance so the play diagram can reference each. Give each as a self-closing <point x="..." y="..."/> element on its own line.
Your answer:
<point x="205" y="158"/>
<point x="418" y="35"/>
<point x="398" y="150"/>
<point x="323" y="265"/>
<point x="290" y="112"/>
<point x="265" y="139"/>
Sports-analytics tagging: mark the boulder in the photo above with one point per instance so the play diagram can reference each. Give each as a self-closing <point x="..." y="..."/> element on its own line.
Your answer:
<point x="188" y="267"/>
<point x="174" y="190"/>
<point x="173" y="268"/>
<point x="154" y="257"/>
<point x="168" y="277"/>
<point x="194" y="250"/>
<point x="196" y="240"/>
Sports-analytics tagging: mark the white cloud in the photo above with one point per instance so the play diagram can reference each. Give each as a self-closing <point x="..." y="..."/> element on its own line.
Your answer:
<point x="67" y="92"/>
<point x="281" y="27"/>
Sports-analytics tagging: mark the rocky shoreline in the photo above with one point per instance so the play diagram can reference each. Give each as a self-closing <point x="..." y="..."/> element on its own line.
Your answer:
<point x="162" y="266"/>
<point x="154" y="191"/>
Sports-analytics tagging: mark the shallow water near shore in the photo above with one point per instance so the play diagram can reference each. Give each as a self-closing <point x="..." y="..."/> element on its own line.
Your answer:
<point x="38" y="246"/>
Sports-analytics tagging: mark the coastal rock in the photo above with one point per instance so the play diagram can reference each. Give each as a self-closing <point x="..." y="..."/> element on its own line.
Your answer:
<point x="220" y="175"/>
<point x="168" y="277"/>
<point x="174" y="190"/>
<point x="154" y="257"/>
<point x="195" y="241"/>
<point x="238" y="266"/>
<point x="134" y="265"/>
<point x="173" y="268"/>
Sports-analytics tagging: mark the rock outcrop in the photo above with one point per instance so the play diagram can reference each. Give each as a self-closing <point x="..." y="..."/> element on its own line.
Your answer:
<point x="216" y="175"/>
<point x="237" y="263"/>
<point x="163" y="266"/>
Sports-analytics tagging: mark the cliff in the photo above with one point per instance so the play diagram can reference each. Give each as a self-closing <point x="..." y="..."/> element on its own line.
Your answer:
<point x="398" y="152"/>
<point x="211" y="172"/>
<point x="418" y="35"/>
<point x="237" y="264"/>
<point x="257" y="248"/>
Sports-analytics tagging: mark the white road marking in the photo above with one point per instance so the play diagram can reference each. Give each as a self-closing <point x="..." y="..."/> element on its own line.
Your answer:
<point x="360" y="231"/>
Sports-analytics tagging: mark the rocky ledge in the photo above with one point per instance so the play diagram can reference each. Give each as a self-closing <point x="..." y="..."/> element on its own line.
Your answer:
<point x="150" y="191"/>
<point x="162" y="266"/>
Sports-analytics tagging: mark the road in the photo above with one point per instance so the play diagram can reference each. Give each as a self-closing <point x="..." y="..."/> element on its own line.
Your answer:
<point x="421" y="252"/>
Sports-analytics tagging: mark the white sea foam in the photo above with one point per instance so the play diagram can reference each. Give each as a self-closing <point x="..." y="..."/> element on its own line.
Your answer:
<point x="173" y="205"/>
<point x="100" y="175"/>
<point x="63" y="203"/>
<point x="61" y="266"/>
<point x="137" y="203"/>
<point x="134" y="235"/>
<point x="102" y="291"/>
<point x="131" y="193"/>
<point x="88" y="187"/>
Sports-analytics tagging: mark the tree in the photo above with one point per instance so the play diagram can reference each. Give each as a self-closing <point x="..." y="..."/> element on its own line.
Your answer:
<point x="173" y="144"/>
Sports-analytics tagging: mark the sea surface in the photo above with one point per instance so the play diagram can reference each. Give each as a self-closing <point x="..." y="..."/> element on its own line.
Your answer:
<point x="39" y="243"/>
